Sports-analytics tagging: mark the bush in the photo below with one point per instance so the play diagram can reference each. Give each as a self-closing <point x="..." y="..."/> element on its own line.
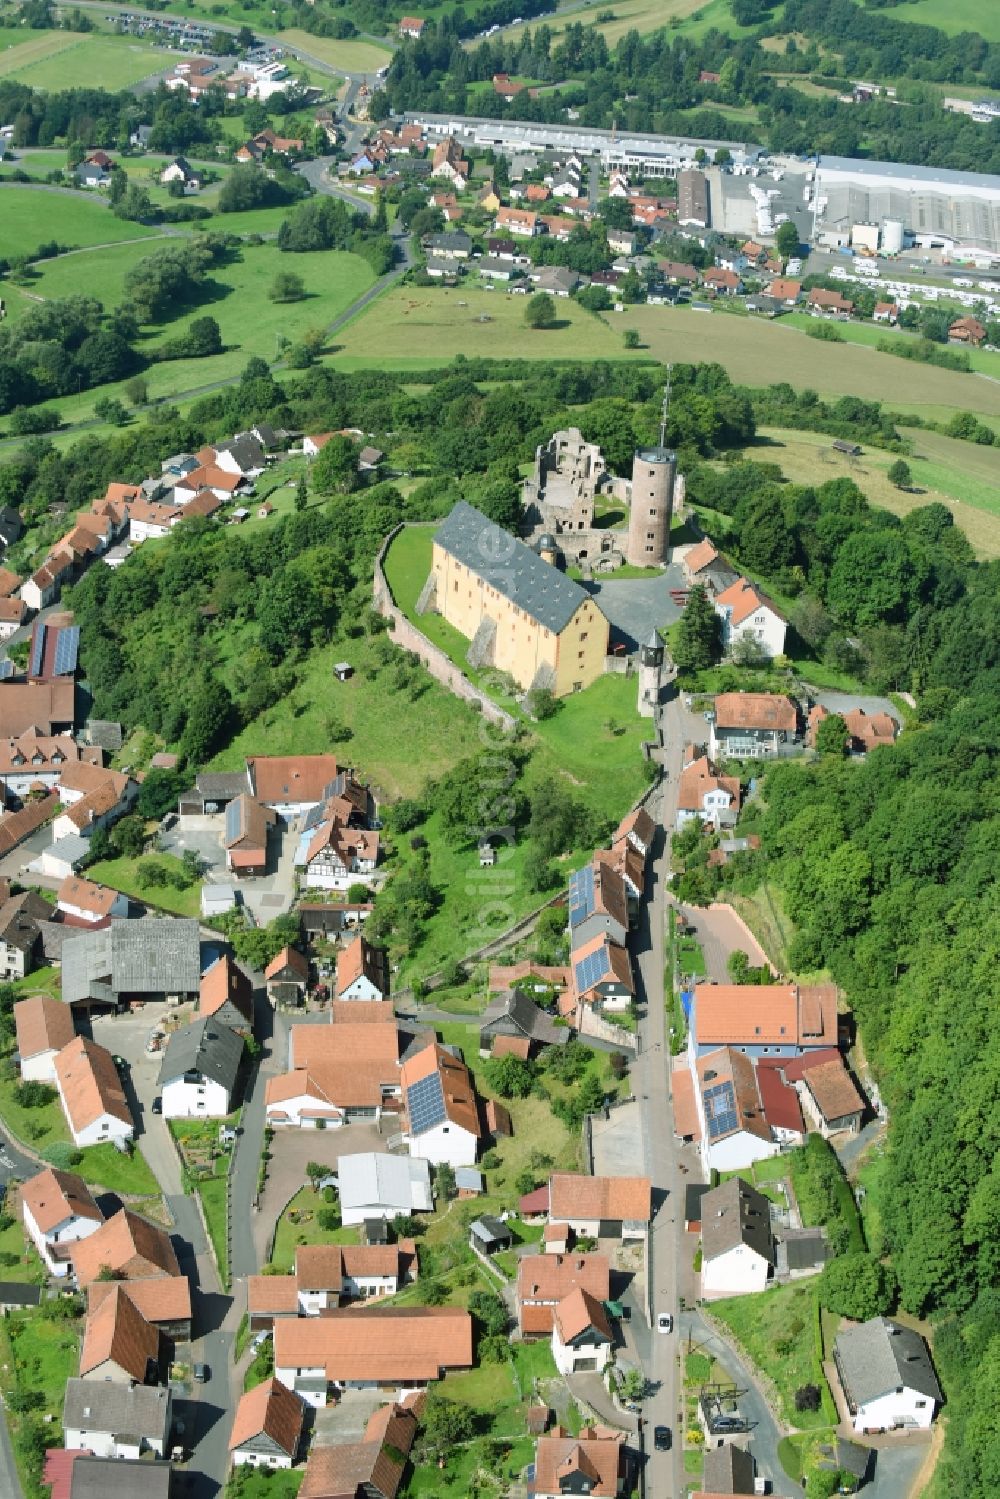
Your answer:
<point x="62" y="1155"/>
<point x="808" y="1398"/>
<point x="34" y="1095"/>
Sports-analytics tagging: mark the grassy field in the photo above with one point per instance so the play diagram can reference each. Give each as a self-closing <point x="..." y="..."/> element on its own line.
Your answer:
<point x="348" y="56"/>
<point x="397" y="742"/>
<point x="299" y="1224"/>
<point x="237" y="298"/>
<point x="413" y="328"/>
<point x="123" y="874"/>
<point x="38" y="1352"/>
<point x="105" y="1166"/>
<point x="62" y="59"/>
<point x="961" y="475"/>
<point x="29" y="216"/>
<point x="953" y="16"/>
<point x="776" y="1328"/>
<point x="870" y="336"/>
<point x="757" y="353"/>
<point x="264" y="1483"/>
<point x="692" y="17"/>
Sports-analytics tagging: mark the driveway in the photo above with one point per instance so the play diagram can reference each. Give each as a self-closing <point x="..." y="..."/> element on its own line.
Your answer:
<point x="720" y="932"/>
<point x="619" y="1147"/>
<point x="636" y="606"/>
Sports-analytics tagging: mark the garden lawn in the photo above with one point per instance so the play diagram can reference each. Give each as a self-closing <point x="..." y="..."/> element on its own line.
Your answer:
<point x="18" y="1256"/>
<point x="952" y="16"/>
<point x="264" y="1483"/>
<point x="37" y="1353"/>
<point x="290" y="1235"/>
<point x="36" y="1127"/>
<point x="123" y="874"/>
<point x="64" y="59"/>
<point x="41" y="981"/>
<point x="415" y="327"/>
<point x="128" y="1175"/>
<point x="214" y="1200"/>
<point x="776" y="1329"/>
<point x="30" y="216"/>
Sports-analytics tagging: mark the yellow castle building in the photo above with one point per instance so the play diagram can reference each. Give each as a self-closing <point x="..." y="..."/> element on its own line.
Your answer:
<point x="520" y="614"/>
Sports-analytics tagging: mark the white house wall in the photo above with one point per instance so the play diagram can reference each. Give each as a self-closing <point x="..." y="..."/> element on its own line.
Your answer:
<point x="906" y="1408"/>
<point x="70" y="1232"/>
<point x="40" y="1068"/>
<point x="736" y="1273"/>
<point x="736" y="1151"/>
<point x="445" y="1143"/>
<point x="204" y="1100"/>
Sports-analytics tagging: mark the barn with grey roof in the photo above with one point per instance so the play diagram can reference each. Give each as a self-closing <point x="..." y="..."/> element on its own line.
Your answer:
<point x="886" y="1375"/>
<point x="132" y="960"/>
<point x="520" y="614"/>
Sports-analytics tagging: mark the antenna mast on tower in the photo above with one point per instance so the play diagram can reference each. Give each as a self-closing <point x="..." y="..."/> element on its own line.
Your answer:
<point x="665" y="408"/>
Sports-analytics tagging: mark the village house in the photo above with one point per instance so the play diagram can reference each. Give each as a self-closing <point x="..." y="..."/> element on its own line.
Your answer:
<point x="21" y="919"/>
<point x="119" y="1345"/>
<point x="718" y="1105"/>
<point x="43" y="1026"/>
<point x="247" y="825"/>
<point x="291" y="784"/>
<point x="513" y="1024"/>
<point x="748" y="614"/>
<point x="91" y="1094"/>
<point x="785" y="291"/>
<point x="597" y="1207"/>
<point x="45" y="710"/>
<point x="545" y="1280"/>
<point x="116" y="1420"/>
<point x="180" y="170"/>
<point x="140" y="1255"/>
<point x="764" y="1020"/>
<point x="830" y="303"/>
<point x="885" y="312"/>
<point x="521" y="222"/>
<point x="625" y="861"/>
<point x="442" y="1110"/>
<point x="376" y="1185"/>
<point x="286" y="977"/>
<point x="705" y="794"/>
<point x="449" y="163"/>
<point x="865" y="731"/>
<point x="737" y="1245"/>
<point x="328" y="1276"/>
<point x="385" y="1349"/>
<point x="199" y="1070"/>
<point x="887" y="1377"/>
<point x="722" y="282"/>
<point x="602" y="976"/>
<point x="110" y="800"/>
<point x="455" y="245"/>
<point x="340" y="1074"/>
<point x="31" y="762"/>
<point x="529" y="977"/>
<point x="362" y="972"/>
<point x="596" y="1463"/>
<point x="58" y="1210"/>
<point x="13" y="613"/>
<point x="520" y="614"/>
<point x="751" y="725"/>
<point x="334" y="856"/>
<point x="412" y="27"/>
<point x="597" y="905"/>
<point x="372" y="1467"/>
<point x="638" y="829"/>
<point x="164" y="1301"/>
<point x="267" y="1427"/>
<point x="582" y="1334"/>
<point x="830" y="1099"/>
<point x="967" y="330"/>
<point x="226" y="995"/>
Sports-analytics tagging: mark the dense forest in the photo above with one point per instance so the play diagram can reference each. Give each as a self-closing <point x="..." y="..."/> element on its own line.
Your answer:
<point x="653" y="82"/>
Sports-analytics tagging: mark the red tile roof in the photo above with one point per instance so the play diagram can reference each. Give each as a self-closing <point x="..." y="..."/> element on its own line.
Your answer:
<point x="42" y="1024"/>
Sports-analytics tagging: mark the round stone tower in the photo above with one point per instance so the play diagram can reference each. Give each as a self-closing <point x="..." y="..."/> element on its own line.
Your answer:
<point x="650" y="675"/>
<point x="654" y="474"/>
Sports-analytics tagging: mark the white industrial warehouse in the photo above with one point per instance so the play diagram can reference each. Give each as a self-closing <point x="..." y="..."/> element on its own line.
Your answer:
<point x="877" y="205"/>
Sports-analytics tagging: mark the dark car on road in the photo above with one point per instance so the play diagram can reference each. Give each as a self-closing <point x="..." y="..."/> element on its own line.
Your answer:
<point x="661" y="1438"/>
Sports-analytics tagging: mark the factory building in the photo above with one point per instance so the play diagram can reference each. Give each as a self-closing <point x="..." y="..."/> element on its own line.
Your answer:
<point x="873" y="205"/>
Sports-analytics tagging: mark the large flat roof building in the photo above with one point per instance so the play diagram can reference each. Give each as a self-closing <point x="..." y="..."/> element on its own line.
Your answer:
<point x="940" y="209"/>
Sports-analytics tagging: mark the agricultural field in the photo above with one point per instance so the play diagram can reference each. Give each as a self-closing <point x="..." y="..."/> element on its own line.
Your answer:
<point x="756" y="353"/>
<point x="961" y="475"/>
<point x="692" y="17"/>
<point x="413" y="328"/>
<point x="981" y="360"/>
<point x="62" y="59"/>
<point x="352" y="56"/>
<point x="30" y="215"/>
<point x="952" y="16"/>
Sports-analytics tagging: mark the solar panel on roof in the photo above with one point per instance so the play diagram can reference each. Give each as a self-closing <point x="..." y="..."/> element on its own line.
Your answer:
<point x="425" y="1103"/>
<point x="37" y="651"/>
<point x="581" y="895"/>
<point x="67" y="651"/>
<point x="233" y="820"/>
<point x="720" y="1110"/>
<point x="590" y="970"/>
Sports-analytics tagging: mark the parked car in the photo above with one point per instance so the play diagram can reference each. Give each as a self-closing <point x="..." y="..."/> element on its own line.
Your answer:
<point x="157" y="1105"/>
<point x="199" y="1373"/>
<point x="665" y="1322"/>
<point x="661" y="1438"/>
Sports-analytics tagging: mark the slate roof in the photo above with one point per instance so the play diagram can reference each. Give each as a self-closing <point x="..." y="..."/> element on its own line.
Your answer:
<point x="207" y="1047"/>
<point x="876" y="1357"/>
<point x="110" y="1478"/>
<point x="733" y="1214"/>
<point x="728" y="1470"/>
<point x="529" y="1018"/>
<point x="102" y="1405"/>
<point x="513" y="569"/>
